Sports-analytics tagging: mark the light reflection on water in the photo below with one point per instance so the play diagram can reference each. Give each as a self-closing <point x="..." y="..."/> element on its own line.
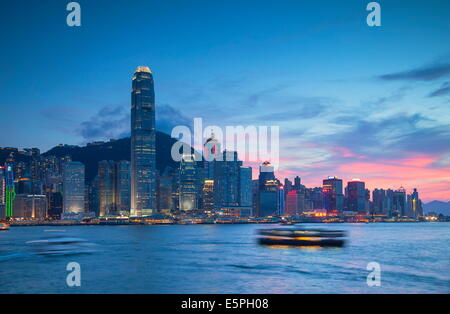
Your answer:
<point x="414" y="258"/>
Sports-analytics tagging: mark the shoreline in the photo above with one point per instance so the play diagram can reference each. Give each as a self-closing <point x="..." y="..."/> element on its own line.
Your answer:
<point x="74" y="224"/>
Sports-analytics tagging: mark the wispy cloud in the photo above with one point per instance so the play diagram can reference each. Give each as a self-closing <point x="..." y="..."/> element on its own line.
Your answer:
<point x="394" y="135"/>
<point x="441" y="91"/>
<point x="167" y="117"/>
<point x="114" y="122"/>
<point x="425" y="73"/>
<point x="107" y="123"/>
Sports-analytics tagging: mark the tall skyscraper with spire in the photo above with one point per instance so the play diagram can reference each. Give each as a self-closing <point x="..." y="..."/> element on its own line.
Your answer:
<point x="143" y="144"/>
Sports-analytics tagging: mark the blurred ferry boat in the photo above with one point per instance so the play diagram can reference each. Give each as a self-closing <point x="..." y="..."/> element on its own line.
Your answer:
<point x="4" y="226"/>
<point x="302" y="237"/>
<point x="62" y="245"/>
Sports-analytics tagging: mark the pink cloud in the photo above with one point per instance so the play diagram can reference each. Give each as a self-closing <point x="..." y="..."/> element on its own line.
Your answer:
<point x="412" y="172"/>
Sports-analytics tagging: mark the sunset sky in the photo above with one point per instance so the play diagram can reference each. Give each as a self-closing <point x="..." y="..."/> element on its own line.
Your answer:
<point x="350" y="100"/>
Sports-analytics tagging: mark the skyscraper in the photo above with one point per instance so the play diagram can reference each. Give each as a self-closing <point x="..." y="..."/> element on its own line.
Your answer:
<point x="188" y="184"/>
<point x="267" y="203"/>
<point x="122" y="187"/>
<point x="417" y="209"/>
<point x="378" y="202"/>
<point x="294" y="203"/>
<point x="208" y="195"/>
<point x="399" y="203"/>
<point x="297" y="183"/>
<point x="165" y="189"/>
<point x="143" y="144"/>
<point x="333" y="198"/>
<point x="9" y="191"/>
<point x="356" y="196"/>
<point x="266" y="173"/>
<point x="212" y="152"/>
<point x="268" y="199"/>
<point x="55" y="205"/>
<point x="2" y="186"/>
<point x="106" y="187"/>
<point x="414" y="205"/>
<point x="226" y="180"/>
<point x="113" y="188"/>
<point x="73" y="187"/>
<point x="245" y="187"/>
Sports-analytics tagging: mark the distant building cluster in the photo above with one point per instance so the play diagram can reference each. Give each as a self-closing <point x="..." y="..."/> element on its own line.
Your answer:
<point x="34" y="186"/>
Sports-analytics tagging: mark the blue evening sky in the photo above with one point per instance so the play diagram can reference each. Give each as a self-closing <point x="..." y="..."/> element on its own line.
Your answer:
<point x="336" y="87"/>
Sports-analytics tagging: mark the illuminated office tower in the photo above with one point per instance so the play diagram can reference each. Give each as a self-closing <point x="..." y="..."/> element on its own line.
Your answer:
<point x="379" y="202"/>
<point x="245" y="187"/>
<point x="399" y="203"/>
<point x="333" y="198"/>
<point x="30" y="206"/>
<point x="226" y="180"/>
<point x="10" y="193"/>
<point x="106" y="187"/>
<point x="211" y="152"/>
<point x="188" y="184"/>
<point x="143" y="144"/>
<point x="282" y="199"/>
<point x="165" y="190"/>
<point x="208" y="195"/>
<point x="313" y="198"/>
<point x="122" y="186"/>
<point x="73" y="187"/>
<point x="414" y="205"/>
<point x="417" y="204"/>
<point x="2" y="186"/>
<point x="268" y="199"/>
<point x="356" y="196"/>
<point x="294" y="203"/>
<point x="35" y="170"/>
<point x="266" y="173"/>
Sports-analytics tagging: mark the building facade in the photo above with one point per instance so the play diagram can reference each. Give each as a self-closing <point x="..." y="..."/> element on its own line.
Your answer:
<point x="143" y="144"/>
<point x="188" y="197"/>
<point x="73" y="187"/>
<point x="245" y="187"/>
<point x="333" y="198"/>
<point x="30" y="206"/>
<point x="123" y="187"/>
<point x="226" y="180"/>
<point x="106" y="187"/>
<point x="356" y="196"/>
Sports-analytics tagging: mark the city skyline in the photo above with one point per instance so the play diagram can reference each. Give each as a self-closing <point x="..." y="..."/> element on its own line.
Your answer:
<point x="143" y="94"/>
<point x="231" y="154"/>
<point x="351" y="101"/>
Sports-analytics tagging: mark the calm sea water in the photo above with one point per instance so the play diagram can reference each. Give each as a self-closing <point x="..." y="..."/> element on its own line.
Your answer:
<point x="414" y="258"/>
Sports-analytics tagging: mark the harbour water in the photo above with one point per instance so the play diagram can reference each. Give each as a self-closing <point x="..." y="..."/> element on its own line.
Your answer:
<point x="414" y="258"/>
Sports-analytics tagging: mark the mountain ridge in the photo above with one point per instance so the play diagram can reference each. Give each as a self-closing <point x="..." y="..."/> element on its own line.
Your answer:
<point x="436" y="206"/>
<point x="114" y="150"/>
